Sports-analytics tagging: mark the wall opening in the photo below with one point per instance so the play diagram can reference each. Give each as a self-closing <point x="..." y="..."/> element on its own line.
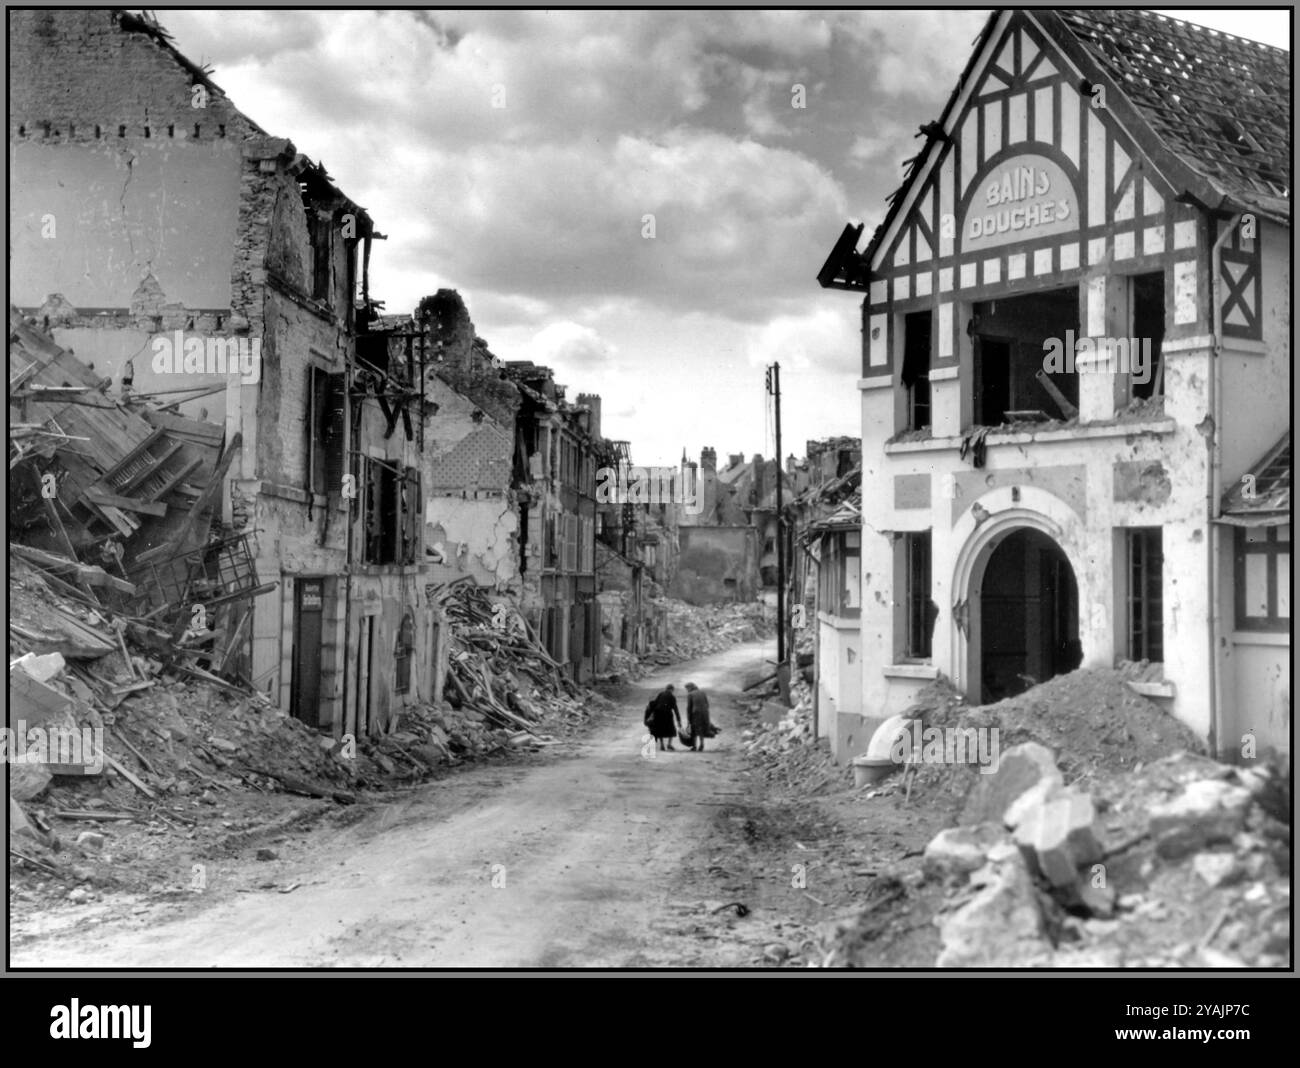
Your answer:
<point x="1029" y="615"/>
<point x="916" y="369"/>
<point x="1147" y="300"/>
<point x="1009" y="336"/>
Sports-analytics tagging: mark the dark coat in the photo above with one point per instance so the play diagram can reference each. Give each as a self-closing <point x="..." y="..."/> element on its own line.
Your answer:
<point x="663" y="715"/>
<point x="697" y="713"/>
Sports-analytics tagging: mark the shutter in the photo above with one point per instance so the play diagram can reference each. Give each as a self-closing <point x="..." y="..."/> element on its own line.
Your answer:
<point x="333" y="432"/>
<point x="570" y="543"/>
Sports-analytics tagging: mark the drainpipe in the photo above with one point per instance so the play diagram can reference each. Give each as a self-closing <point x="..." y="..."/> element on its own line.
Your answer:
<point x="1214" y="490"/>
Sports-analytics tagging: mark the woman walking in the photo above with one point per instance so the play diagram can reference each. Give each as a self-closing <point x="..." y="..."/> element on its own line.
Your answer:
<point x="663" y="718"/>
<point x="697" y="716"/>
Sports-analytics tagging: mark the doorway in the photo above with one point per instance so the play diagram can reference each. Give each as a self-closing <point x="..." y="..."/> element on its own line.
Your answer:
<point x="308" y="614"/>
<point x="1029" y="615"/>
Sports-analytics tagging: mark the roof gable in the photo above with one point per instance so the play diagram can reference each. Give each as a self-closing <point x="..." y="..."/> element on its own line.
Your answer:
<point x="1020" y="52"/>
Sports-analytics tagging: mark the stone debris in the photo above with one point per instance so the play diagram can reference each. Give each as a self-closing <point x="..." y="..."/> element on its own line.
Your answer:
<point x="958" y="851"/>
<point x="1206" y="812"/>
<point x="1059" y="836"/>
<point x="1078" y="886"/>
<point x="1019" y="769"/>
<point x="1001" y="926"/>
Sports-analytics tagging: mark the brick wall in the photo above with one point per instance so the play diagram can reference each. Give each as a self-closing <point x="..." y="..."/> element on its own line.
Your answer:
<point x="87" y="74"/>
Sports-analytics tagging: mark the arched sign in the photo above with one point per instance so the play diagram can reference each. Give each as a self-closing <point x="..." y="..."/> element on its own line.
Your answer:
<point x="1025" y="197"/>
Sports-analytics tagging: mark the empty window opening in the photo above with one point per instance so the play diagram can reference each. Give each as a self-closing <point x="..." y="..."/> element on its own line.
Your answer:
<point x="916" y="369"/>
<point x="325" y="426"/>
<point x="322" y="232"/>
<point x="1013" y="378"/>
<point x="1029" y="615"/>
<point x="391" y="520"/>
<point x="1147" y="299"/>
<point x="1146" y="632"/>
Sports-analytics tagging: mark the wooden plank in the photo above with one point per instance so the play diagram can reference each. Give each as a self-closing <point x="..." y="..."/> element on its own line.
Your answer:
<point x="129" y="776"/>
<point x="87" y="573"/>
<point x="102" y="497"/>
<point x="61" y="534"/>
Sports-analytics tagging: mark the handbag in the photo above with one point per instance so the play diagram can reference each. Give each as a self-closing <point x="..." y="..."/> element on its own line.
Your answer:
<point x="685" y="739"/>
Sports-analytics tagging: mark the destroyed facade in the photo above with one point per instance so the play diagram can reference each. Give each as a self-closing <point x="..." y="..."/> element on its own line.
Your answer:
<point x="1075" y="367"/>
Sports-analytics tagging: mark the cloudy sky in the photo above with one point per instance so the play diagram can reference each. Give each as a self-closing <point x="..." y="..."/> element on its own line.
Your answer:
<point x="525" y="157"/>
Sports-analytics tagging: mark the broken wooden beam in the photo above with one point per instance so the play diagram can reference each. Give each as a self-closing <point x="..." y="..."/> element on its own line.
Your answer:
<point x="134" y="504"/>
<point x="129" y="776"/>
<point x="86" y="573"/>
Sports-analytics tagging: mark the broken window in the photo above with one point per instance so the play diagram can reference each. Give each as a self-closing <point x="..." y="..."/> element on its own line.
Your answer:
<point x="1147" y="301"/>
<point x="1263" y="578"/>
<point x="325" y="425"/>
<point x="391" y="521"/>
<point x="1024" y="358"/>
<point x="919" y="617"/>
<point x="916" y="369"/>
<point x="1145" y="595"/>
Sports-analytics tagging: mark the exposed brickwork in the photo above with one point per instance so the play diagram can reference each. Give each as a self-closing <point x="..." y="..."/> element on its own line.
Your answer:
<point x="84" y="75"/>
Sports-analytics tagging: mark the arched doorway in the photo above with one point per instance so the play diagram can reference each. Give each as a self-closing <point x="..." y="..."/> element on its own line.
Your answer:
<point x="1028" y="615"/>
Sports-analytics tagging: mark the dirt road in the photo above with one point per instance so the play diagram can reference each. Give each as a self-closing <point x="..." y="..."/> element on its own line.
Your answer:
<point x="578" y="858"/>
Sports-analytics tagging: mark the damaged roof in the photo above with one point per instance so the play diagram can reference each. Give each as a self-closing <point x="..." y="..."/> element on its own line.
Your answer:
<point x="1223" y="104"/>
<point x="848" y="516"/>
<point x="1269" y="499"/>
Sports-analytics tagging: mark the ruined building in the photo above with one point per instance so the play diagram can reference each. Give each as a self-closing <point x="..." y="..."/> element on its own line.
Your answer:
<point x="1074" y="377"/>
<point x="176" y="247"/>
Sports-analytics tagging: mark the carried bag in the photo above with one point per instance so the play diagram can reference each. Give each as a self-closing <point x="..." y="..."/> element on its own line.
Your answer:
<point x="685" y="739"/>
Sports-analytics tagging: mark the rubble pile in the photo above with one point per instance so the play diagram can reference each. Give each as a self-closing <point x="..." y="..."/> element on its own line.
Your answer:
<point x="783" y="745"/>
<point x="1089" y="718"/>
<point x="695" y="631"/>
<point x="173" y="740"/>
<point x="498" y="668"/>
<point x="1180" y="863"/>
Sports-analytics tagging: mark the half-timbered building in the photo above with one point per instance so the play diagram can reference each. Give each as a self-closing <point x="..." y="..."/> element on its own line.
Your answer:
<point x="1075" y="353"/>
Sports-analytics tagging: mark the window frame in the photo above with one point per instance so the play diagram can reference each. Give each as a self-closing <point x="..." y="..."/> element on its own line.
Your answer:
<point x="918" y="635"/>
<point x="1140" y="648"/>
<point x="1270" y="548"/>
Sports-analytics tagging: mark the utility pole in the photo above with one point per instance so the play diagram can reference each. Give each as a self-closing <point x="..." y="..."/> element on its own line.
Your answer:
<point x="774" y="388"/>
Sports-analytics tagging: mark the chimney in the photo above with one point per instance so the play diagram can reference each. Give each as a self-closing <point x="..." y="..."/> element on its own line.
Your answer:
<point x="709" y="460"/>
<point x="592" y="401"/>
<point x="735" y="460"/>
